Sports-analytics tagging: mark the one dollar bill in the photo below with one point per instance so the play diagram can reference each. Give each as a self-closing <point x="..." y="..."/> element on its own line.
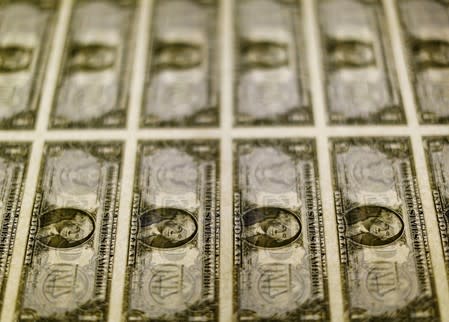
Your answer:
<point x="271" y="83"/>
<point x="173" y="262"/>
<point x="181" y="83"/>
<point x="359" y="77"/>
<point x="13" y="166"/>
<point x="437" y="149"/>
<point x="425" y="26"/>
<point x="279" y="253"/>
<point x="26" y="30"/>
<point x="93" y="85"/>
<point x="384" y="252"/>
<point x="68" y="260"/>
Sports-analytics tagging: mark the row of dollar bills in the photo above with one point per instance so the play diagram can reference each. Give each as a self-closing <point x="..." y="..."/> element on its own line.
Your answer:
<point x="206" y="160"/>
<point x="280" y="259"/>
<point x="181" y="83"/>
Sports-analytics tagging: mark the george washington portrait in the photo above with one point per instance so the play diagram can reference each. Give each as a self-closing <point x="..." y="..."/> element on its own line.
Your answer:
<point x="373" y="225"/>
<point x="65" y="228"/>
<point x="167" y="228"/>
<point x="270" y="227"/>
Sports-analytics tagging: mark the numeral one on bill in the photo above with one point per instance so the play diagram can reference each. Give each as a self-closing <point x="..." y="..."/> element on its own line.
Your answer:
<point x="68" y="261"/>
<point x="173" y="258"/>
<point x="279" y="253"/>
<point x="384" y="253"/>
<point x="93" y="85"/>
<point x="437" y="149"/>
<point x="359" y="77"/>
<point x="271" y="83"/>
<point x="13" y="166"/>
<point x="26" y="31"/>
<point x="181" y="82"/>
<point x="425" y="25"/>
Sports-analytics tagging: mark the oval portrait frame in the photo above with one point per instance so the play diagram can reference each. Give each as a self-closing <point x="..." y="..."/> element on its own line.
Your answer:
<point x="72" y="213"/>
<point x="156" y="212"/>
<point x="379" y="209"/>
<point x="263" y="211"/>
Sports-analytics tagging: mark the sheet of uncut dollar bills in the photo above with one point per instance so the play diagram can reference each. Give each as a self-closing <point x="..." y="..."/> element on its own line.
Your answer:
<point x="233" y="160"/>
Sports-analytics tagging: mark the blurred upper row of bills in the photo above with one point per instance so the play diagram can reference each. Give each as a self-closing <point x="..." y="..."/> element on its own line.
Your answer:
<point x="181" y="82"/>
